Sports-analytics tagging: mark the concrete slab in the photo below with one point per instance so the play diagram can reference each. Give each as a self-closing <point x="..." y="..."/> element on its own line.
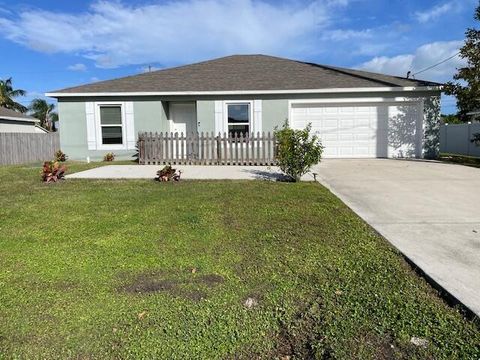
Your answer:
<point x="189" y="172"/>
<point x="430" y="211"/>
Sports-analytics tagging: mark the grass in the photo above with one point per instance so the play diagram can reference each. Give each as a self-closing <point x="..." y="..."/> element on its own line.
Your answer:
<point x="139" y="269"/>
<point x="460" y="159"/>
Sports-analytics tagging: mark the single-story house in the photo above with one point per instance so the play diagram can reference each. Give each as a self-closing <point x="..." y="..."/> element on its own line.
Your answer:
<point x="15" y="122"/>
<point x="357" y="114"/>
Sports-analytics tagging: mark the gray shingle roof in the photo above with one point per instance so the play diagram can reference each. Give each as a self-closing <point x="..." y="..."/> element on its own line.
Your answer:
<point x="244" y="73"/>
<point x="11" y="115"/>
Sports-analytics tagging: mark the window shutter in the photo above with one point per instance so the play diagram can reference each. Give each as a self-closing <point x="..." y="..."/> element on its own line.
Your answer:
<point x="90" y="118"/>
<point x="219" y="123"/>
<point x="257" y="116"/>
<point x="130" y="125"/>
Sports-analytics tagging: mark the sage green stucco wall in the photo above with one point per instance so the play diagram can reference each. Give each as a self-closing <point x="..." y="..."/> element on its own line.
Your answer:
<point x="206" y="115"/>
<point x="274" y="113"/>
<point x="148" y="115"/>
<point x="73" y="129"/>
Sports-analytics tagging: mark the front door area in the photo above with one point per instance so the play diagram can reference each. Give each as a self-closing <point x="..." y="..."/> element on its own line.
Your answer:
<point x="183" y="117"/>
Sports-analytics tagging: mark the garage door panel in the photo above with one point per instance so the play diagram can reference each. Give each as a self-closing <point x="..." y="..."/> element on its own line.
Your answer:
<point x="345" y="131"/>
<point x="358" y="130"/>
<point x="329" y="137"/>
<point x="330" y="152"/>
<point x="330" y="110"/>
<point x="330" y="123"/>
<point x="364" y="137"/>
<point x="346" y="137"/>
<point x="347" y="123"/>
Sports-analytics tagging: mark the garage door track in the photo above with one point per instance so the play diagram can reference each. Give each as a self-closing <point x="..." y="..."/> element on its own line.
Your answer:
<point x="430" y="211"/>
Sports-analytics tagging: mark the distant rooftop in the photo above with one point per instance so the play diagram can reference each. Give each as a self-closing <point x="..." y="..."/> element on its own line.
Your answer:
<point x="8" y="114"/>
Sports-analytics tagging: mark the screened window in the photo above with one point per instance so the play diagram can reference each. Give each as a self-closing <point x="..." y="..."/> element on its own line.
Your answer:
<point x="111" y="125"/>
<point x="238" y="119"/>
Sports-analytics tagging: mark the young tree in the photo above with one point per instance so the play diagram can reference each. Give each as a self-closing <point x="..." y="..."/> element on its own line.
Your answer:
<point x="297" y="150"/>
<point x="8" y="94"/>
<point x="44" y="112"/>
<point x="466" y="86"/>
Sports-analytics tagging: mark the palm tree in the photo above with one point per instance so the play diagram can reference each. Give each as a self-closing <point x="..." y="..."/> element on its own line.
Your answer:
<point x="44" y="112"/>
<point x="7" y="94"/>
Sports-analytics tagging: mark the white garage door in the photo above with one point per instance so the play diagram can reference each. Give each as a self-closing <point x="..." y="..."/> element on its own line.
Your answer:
<point x="356" y="130"/>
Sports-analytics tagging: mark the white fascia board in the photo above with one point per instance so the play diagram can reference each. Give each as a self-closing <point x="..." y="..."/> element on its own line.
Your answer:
<point x="247" y="92"/>
<point x="353" y="100"/>
<point x="41" y="128"/>
<point x="19" y="119"/>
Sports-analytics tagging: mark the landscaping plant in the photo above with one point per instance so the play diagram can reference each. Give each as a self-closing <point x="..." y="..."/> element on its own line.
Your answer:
<point x="476" y="139"/>
<point x="168" y="174"/>
<point x="109" y="156"/>
<point x="297" y="150"/>
<point x="52" y="171"/>
<point x="60" y="156"/>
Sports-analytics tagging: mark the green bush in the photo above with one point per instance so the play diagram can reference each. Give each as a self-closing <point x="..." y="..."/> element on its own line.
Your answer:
<point x="109" y="156"/>
<point x="297" y="150"/>
<point x="476" y="139"/>
<point x="60" y="156"/>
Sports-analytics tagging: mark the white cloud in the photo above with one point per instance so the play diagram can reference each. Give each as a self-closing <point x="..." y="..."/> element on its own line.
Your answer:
<point x="342" y="35"/>
<point x="425" y="56"/>
<point x="77" y="67"/>
<point x="114" y="33"/>
<point x="436" y="11"/>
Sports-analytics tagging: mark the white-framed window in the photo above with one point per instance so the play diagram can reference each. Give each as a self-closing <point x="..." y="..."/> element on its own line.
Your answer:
<point x="238" y="117"/>
<point x="110" y="126"/>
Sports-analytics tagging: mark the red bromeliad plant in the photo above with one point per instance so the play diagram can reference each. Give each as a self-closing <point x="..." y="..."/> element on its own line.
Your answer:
<point x="52" y="171"/>
<point x="168" y="174"/>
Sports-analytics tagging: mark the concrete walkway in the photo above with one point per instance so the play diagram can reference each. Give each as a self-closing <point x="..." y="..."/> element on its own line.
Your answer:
<point x="430" y="211"/>
<point x="189" y="172"/>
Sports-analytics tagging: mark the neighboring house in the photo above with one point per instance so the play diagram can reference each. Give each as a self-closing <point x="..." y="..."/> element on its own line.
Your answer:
<point x="356" y="113"/>
<point x="14" y="122"/>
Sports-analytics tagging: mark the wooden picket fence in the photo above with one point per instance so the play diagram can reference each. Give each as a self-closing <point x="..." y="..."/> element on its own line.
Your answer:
<point x="207" y="149"/>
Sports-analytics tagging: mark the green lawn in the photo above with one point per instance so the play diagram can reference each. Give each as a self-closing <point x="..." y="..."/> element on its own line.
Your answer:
<point x="460" y="159"/>
<point x="103" y="269"/>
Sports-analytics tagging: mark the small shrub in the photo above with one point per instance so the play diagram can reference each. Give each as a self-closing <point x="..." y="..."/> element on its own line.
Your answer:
<point x="297" y="150"/>
<point x="136" y="156"/>
<point x="52" y="171"/>
<point x="60" y="156"/>
<point x="168" y="174"/>
<point x="476" y="139"/>
<point x="109" y="157"/>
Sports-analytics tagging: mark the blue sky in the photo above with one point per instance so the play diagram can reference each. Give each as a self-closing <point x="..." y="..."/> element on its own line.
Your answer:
<point x="47" y="45"/>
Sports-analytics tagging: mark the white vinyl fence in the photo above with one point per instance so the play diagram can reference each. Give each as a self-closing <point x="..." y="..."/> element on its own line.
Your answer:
<point x="457" y="139"/>
<point x="22" y="148"/>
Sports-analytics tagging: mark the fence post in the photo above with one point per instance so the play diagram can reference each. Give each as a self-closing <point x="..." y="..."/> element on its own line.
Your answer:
<point x="141" y="149"/>
<point x="469" y="137"/>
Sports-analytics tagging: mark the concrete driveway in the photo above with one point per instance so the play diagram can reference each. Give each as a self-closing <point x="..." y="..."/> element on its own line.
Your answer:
<point x="429" y="211"/>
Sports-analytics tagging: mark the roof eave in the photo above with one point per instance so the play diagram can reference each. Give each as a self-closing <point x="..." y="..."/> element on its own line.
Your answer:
<point x="13" y="118"/>
<point x="244" y="92"/>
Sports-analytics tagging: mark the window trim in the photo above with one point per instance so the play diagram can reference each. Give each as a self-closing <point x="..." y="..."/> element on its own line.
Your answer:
<point x="98" y="126"/>
<point x="238" y="102"/>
